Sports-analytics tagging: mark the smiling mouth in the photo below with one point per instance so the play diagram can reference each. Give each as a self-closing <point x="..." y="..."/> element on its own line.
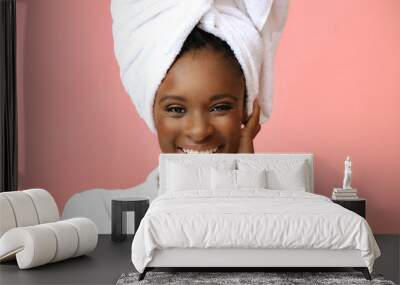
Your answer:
<point x="193" y="151"/>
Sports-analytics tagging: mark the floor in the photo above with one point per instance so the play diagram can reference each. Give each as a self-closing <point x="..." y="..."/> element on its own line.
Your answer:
<point x="389" y="262"/>
<point x="110" y="260"/>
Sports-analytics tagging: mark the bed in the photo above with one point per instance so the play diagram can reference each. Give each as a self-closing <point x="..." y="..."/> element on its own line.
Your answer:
<point x="245" y="211"/>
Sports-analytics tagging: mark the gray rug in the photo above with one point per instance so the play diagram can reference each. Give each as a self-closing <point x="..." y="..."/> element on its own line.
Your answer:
<point x="225" y="278"/>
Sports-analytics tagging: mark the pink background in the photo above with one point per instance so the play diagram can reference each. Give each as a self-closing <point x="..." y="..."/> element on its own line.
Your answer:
<point x="337" y="94"/>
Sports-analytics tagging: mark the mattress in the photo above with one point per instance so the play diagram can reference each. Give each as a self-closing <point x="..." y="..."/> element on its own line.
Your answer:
<point x="250" y="219"/>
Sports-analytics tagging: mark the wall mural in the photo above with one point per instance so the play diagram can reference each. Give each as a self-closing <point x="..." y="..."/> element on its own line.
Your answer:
<point x="102" y="95"/>
<point x="206" y="95"/>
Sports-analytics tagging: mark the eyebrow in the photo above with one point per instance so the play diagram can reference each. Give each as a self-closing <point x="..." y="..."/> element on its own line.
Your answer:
<point x="222" y="96"/>
<point x="167" y="97"/>
<point x="213" y="98"/>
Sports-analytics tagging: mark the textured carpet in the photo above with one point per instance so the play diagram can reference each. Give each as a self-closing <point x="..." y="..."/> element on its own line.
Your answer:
<point x="225" y="278"/>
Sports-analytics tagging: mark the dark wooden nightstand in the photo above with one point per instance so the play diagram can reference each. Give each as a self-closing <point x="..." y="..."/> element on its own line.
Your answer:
<point x="358" y="206"/>
<point x="126" y="204"/>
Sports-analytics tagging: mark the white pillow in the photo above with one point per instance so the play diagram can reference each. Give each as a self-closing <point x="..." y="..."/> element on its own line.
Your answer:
<point x="251" y="178"/>
<point x="223" y="179"/>
<point x="182" y="178"/>
<point x="281" y="174"/>
<point x="236" y="179"/>
<point x="289" y="179"/>
<point x="184" y="175"/>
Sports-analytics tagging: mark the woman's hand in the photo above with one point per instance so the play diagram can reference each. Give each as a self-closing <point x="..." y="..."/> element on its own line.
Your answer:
<point x="250" y="130"/>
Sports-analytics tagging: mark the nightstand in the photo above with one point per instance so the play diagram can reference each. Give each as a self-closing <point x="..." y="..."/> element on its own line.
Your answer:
<point x="126" y="204"/>
<point x="358" y="206"/>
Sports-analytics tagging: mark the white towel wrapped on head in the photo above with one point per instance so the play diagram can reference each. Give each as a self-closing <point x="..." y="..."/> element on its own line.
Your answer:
<point x="149" y="34"/>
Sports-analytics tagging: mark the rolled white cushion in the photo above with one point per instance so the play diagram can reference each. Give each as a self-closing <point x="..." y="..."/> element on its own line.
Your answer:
<point x="67" y="239"/>
<point x="40" y="244"/>
<point x="7" y="218"/>
<point x="33" y="246"/>
<point x="23" y="208"/>
<point x="87" y="234"/>
<point x="46" y="207"/>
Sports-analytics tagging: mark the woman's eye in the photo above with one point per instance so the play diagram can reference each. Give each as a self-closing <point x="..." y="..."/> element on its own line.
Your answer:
<point x="221" y="107"/>
<point x="176" y="109"/>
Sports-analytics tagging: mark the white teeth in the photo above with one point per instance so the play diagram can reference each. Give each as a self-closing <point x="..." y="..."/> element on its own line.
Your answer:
<point x="192" y="151"/>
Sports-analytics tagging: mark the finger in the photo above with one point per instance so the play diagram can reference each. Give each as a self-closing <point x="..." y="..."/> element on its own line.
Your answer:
<point x="255" y="117"/>
<point x="258" y="130"/>
<point x="255" y="104"/>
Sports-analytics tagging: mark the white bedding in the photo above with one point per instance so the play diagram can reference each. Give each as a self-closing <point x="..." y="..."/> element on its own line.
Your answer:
<point x="251" y="218"/>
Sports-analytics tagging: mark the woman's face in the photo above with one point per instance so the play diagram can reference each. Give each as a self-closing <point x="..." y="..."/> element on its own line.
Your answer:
<point x="199" y="106"/>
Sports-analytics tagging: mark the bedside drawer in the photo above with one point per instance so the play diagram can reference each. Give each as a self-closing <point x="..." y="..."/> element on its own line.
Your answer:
<point x="357" y="206"/>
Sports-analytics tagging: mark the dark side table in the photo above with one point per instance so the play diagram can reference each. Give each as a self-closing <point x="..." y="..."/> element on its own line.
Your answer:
<point x="118" y="208"/>
<point x="357" y="205"/>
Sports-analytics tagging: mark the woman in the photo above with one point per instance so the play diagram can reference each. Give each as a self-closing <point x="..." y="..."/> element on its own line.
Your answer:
<point x="200" y="105"/>
<point x="194" y="70"/>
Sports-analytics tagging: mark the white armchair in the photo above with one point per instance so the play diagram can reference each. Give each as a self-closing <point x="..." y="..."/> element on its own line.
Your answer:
<point x="31" y="232"/>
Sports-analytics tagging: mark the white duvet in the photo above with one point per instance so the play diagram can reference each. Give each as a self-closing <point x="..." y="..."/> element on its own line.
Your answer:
<point x="250" y="218"/>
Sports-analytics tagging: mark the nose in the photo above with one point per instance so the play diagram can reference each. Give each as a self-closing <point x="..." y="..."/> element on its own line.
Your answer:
<point x="199" y="129"/>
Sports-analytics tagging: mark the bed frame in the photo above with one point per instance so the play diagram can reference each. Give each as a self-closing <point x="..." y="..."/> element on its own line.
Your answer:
<point x="249" y="258"/>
